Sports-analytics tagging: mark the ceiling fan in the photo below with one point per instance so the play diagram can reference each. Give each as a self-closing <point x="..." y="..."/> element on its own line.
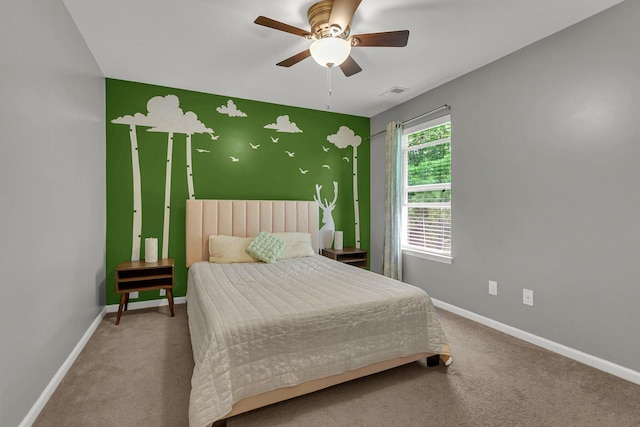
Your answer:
<point x="330" y="22"/>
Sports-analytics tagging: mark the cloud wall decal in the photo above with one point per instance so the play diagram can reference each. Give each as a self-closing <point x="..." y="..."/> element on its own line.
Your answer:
<point x="283" y="124"/>
<point x="230" y="110"/>
<point x="344" y="138"/>
<point x="165" y="115"/>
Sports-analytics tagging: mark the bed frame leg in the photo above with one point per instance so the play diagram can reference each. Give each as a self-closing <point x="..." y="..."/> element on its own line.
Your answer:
<point x="433" y="360"/>
<point x="220" y="423"/>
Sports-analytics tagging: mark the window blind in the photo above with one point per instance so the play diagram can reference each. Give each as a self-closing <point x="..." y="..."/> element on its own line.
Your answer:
<point x="427" y="188"/>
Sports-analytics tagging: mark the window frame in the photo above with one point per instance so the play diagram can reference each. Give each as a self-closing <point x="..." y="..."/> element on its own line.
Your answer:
<point x="419" y="251"/>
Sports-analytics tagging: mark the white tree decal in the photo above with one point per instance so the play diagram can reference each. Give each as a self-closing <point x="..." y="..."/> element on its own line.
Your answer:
<point x="345" y="138"/>
<point x="328" y="226"/>
<point x="163" y="115"/>
<point x="175" y="121"/>
<point x="138" y="119"/>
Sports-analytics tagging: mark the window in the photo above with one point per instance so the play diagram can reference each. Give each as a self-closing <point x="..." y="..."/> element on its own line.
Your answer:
<point x="426" y="205"/>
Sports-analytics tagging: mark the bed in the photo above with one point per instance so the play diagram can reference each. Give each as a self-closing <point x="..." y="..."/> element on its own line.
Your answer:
<point x="266" y="332"/>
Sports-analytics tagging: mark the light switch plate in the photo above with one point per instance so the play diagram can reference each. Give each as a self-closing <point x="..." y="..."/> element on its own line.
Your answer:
<point x="133" y="295"/>
<point x="527" y="297"/>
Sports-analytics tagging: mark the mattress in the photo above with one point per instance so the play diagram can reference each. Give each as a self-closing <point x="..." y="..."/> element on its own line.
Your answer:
<point x="257" y="327"/>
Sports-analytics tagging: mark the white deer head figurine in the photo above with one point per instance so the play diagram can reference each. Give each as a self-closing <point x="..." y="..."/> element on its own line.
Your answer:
<point x="328" y="226"/>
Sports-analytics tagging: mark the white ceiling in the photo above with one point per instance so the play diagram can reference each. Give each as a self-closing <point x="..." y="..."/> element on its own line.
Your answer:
<point x="213" y="46"/>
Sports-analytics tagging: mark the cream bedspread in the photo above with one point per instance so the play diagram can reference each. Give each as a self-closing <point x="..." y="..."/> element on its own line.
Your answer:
<point x="257" y="327"/>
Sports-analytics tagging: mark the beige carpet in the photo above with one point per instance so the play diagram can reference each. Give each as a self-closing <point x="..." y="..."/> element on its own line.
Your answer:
<point x="138" y="374"/>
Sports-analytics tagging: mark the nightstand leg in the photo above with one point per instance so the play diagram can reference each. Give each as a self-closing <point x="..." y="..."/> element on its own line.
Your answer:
<point x="170" y="298"/>
<point x="122" y="301"/>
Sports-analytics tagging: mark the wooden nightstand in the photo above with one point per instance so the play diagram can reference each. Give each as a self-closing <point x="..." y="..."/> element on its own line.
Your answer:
<point x="136" y="276"/>
<point x="352" y="256"/>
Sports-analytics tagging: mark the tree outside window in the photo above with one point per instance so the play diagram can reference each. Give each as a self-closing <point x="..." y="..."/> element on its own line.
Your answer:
<point x="427" y="188"/>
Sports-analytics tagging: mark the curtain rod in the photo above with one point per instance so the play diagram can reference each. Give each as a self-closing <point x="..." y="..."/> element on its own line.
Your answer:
<point x="428" y="113"/>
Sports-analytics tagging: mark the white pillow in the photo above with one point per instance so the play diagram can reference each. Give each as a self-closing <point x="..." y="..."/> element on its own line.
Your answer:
<point x="229" y="249"/>
<point x="296" y="245"/>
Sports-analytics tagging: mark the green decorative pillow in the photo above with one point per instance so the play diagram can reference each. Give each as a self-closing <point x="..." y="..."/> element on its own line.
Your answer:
<point x="265" y="247"/>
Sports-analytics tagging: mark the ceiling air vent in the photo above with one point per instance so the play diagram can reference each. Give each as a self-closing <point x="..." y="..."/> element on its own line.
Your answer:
<point x="396" y="90"/>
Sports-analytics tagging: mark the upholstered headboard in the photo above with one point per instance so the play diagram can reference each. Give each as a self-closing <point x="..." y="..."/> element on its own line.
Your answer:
<point x="244" y="218"/>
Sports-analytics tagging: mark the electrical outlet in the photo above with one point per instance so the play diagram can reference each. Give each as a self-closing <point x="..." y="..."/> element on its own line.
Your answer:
<point x="527" y="297"/>
<point x="163" y="292"/>
<point x="133" y="295"/>
<point x="493" y="287"/>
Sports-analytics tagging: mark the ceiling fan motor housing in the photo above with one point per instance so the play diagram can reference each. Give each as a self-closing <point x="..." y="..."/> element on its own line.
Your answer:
<point x="330" y="27"/>
<point x="319" y="15"/>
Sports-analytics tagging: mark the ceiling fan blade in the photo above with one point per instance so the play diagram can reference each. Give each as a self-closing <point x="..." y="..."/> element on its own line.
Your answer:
<point x="277" y="25"/>
<point x="388" y="39"/>
<point x="295" y="59"/>
<point x="342" y="12"/>
<point x="350" y="67"/>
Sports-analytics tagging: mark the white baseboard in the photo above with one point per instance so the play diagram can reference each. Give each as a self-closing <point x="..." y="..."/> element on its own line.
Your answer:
<point x="137" y="305"/>
<point x="35" y="410"/>
<point x="571" y="353"/>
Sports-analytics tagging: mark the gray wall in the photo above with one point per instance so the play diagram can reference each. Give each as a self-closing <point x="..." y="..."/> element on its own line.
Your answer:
<point x="52" y="197"/>
<point x="546" y="176"/>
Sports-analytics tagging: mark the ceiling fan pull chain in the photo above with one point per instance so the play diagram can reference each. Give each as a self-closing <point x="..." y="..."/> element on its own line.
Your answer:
<point x="328" y="86"/>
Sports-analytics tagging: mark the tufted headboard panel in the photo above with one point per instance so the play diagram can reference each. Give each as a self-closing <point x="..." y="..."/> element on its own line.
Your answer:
<point x="244" y="218"/>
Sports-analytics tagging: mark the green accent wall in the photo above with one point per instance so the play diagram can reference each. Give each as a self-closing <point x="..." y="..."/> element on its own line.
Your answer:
<point x="233" y="156"/>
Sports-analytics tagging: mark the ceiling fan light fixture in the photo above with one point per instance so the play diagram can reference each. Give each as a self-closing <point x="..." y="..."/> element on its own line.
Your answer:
<point x="330" y="51"/>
